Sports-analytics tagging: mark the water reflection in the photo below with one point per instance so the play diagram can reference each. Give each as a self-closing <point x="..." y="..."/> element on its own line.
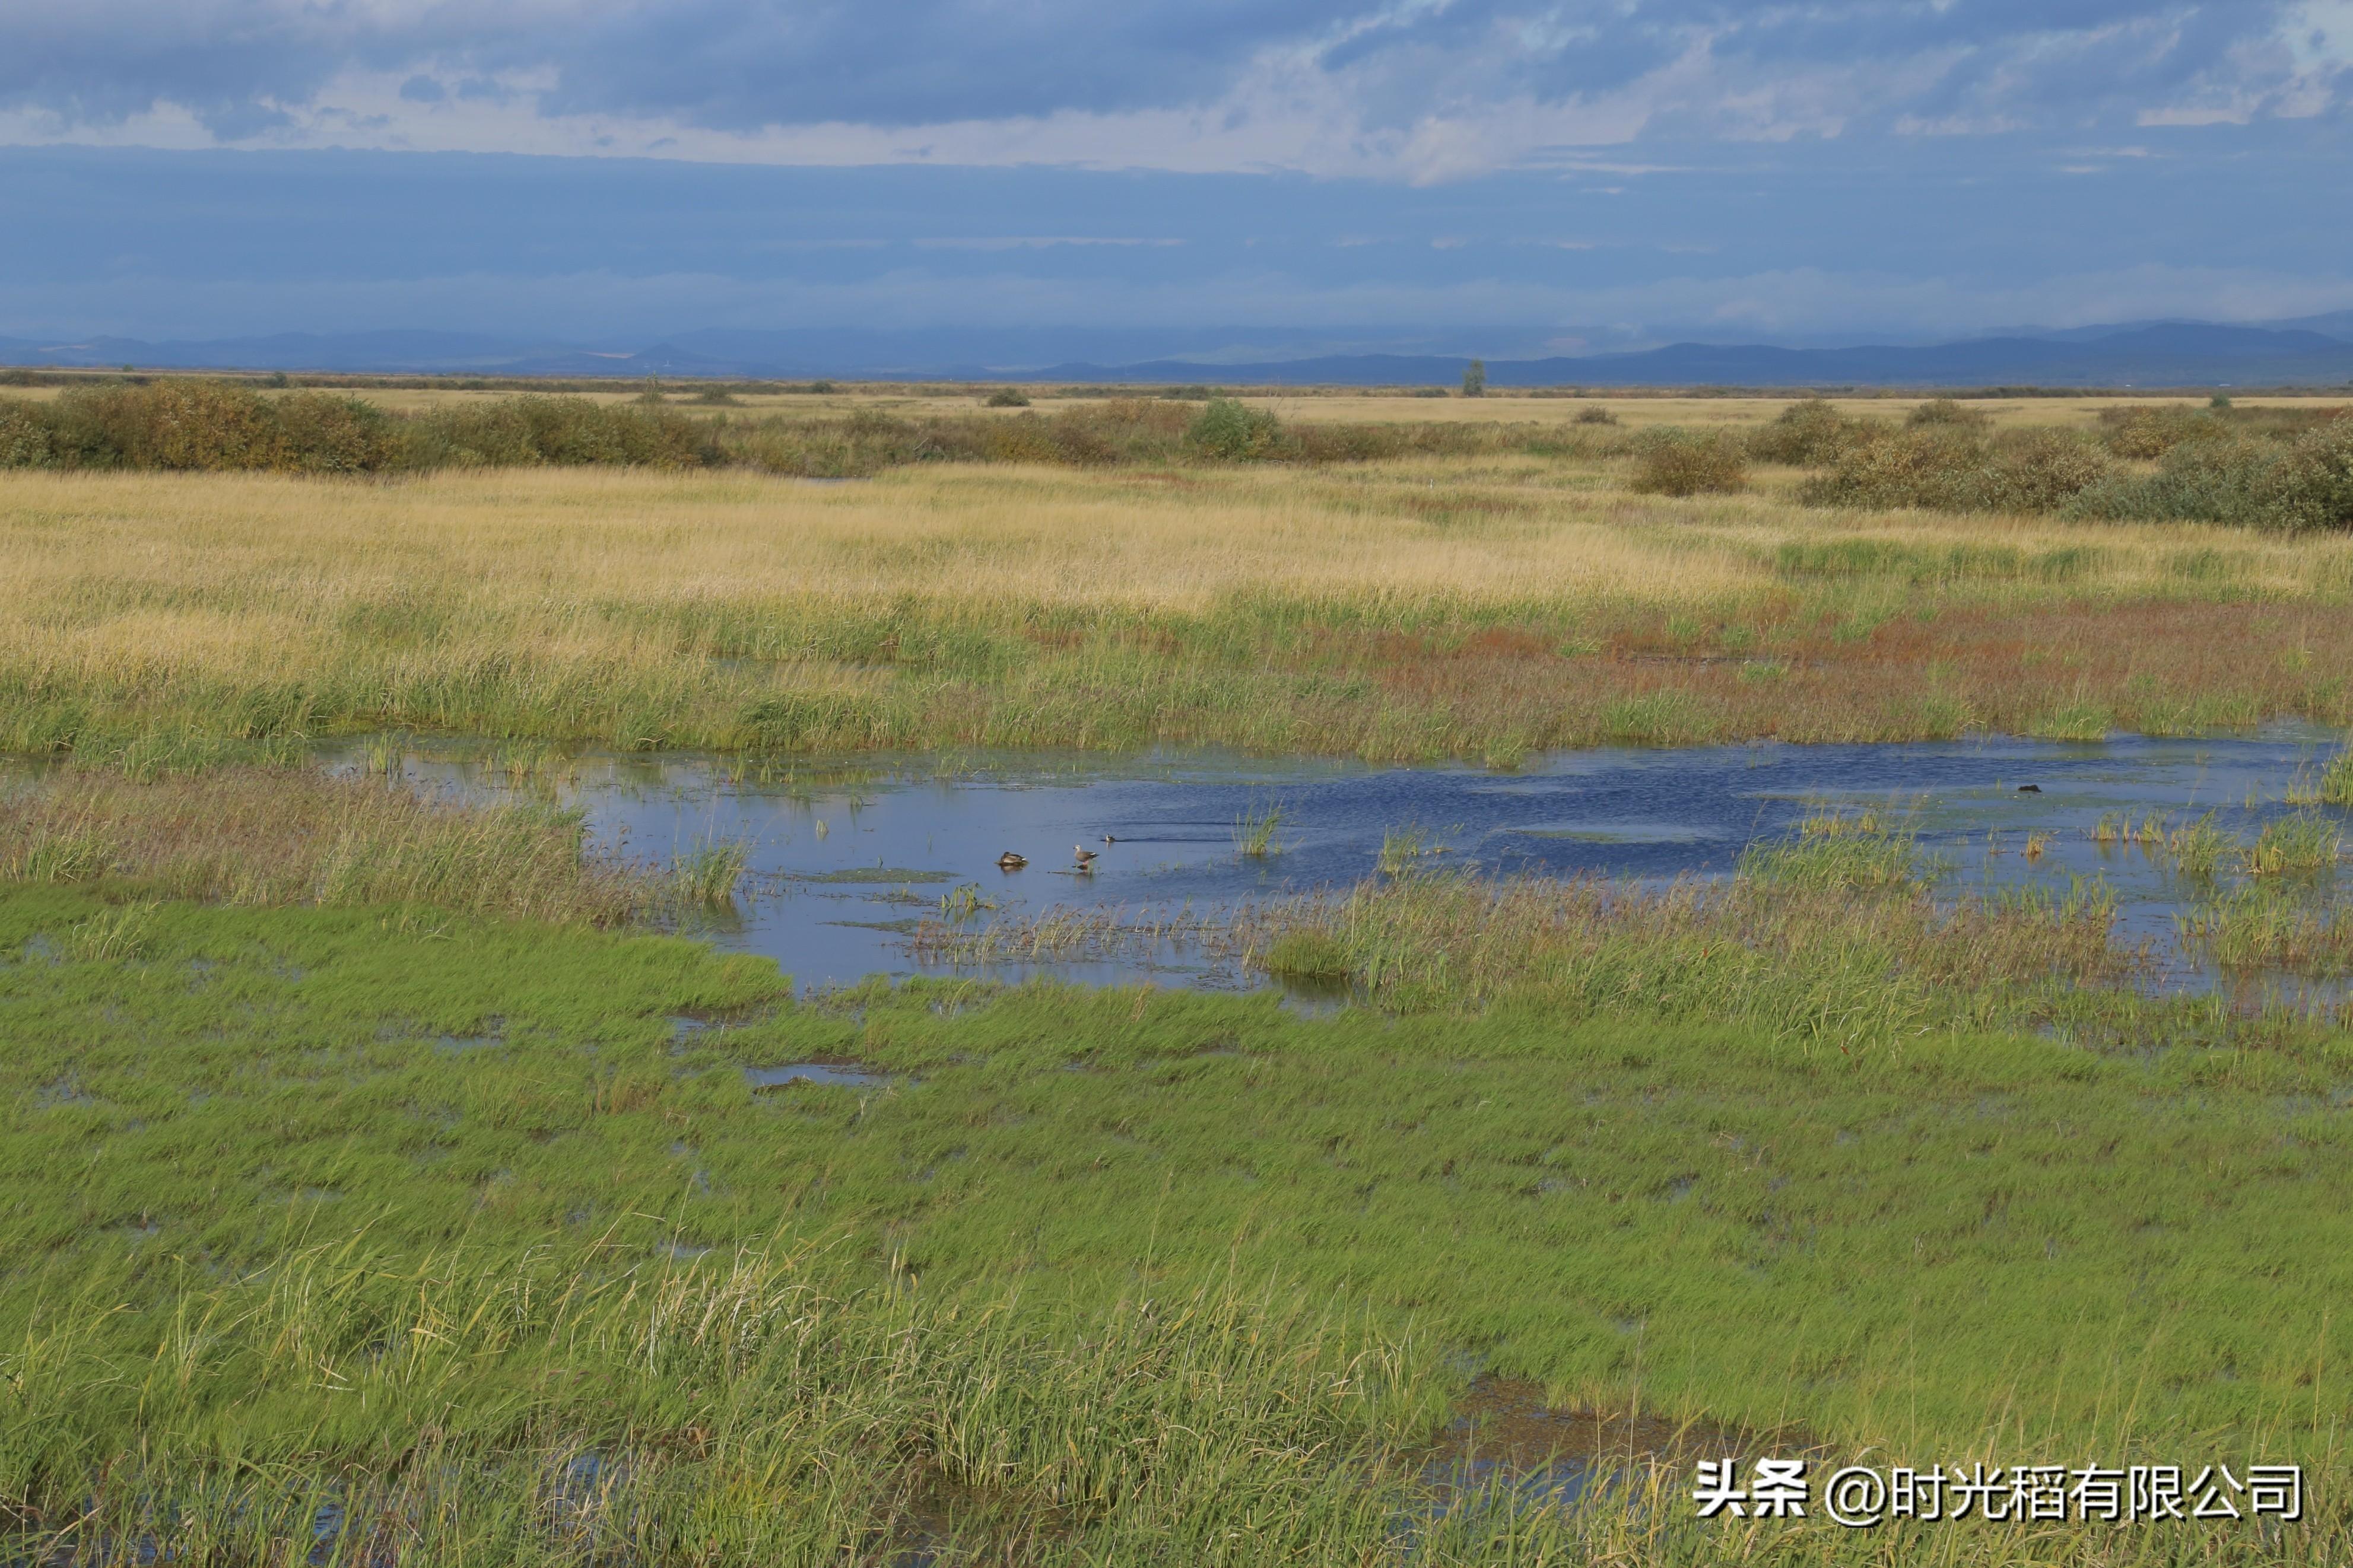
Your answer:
<point x="844" y="860"/>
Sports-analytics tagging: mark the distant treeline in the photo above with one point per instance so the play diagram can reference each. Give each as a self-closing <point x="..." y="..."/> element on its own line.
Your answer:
<point x="200" y="424"/>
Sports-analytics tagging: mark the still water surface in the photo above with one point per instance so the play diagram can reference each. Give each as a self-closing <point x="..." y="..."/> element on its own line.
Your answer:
<point x="845" y="858"/>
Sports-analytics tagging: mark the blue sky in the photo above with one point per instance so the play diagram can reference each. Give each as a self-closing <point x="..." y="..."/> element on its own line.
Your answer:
<point x="1485" y="175"/>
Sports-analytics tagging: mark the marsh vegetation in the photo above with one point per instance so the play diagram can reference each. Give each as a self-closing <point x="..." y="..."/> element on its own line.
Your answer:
<point x="388" y="1183"/>
<point x="1487" y="605"/>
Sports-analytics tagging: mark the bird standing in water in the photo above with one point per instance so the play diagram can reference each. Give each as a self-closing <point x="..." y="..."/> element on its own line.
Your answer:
<point x="1085" y="855"/>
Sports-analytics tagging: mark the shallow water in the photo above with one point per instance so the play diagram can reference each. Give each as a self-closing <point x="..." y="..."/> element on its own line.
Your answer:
<point x="845" y="858"/>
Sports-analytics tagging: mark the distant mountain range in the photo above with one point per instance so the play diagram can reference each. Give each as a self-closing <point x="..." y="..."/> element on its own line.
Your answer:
<point x="2313" y="350"/>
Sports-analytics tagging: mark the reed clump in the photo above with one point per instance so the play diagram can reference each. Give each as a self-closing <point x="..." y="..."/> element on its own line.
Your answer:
<point x="2264" y="927"/>
<point x="2336" y="779"/>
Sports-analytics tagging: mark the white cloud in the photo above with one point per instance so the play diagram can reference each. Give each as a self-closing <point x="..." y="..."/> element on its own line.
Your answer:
<point x="1425" y="90"/>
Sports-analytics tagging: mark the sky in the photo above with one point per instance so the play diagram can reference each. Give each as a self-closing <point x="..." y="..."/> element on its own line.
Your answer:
<point x="1503" y="176"/>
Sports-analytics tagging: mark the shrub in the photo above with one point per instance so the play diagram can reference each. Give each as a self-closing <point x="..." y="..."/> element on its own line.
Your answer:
<point x="2317" y="487"/>
<point x="184" y="424"/>
<point x="1939" y="466"/>
<point x="2304" y="484"/>
<point x="1233" y="430"/>
<point x="2151" y="432"/>
<point x="1945" y="411"/>
<point x="1006" y="398"/>
<point x="1805" y="435"/>
<point x="322" y="434"/>
<point x="2034" y="471"/>
<point x="1925" y="467"/>
<point x="1595" y="415"/>
<point x="1674" y="462"/>
<point x="530" y="431"/>
<point x="26" y="435"/>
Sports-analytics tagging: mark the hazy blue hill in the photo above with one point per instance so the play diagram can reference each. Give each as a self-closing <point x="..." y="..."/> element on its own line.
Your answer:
<point x="2157" y="354"/>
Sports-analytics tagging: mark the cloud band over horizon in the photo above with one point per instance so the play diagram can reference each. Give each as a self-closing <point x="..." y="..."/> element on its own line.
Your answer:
<point x="1613" y="166"/>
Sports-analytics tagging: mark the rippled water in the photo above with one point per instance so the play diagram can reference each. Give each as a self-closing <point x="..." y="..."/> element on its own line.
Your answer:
<point x="845" y="858"/>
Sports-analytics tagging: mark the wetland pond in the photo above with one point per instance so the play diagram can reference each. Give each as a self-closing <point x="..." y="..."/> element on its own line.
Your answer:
<point x="844" y="860"/>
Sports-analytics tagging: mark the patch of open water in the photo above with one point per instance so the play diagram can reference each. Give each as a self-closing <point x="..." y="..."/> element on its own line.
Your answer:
<point x="845" y="858"/>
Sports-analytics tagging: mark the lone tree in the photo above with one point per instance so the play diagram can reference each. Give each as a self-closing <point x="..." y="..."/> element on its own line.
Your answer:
<point x="1474" y="379"/>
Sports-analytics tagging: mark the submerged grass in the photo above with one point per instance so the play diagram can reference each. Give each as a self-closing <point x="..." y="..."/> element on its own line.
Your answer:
<point x="2261" y="926"/>
<point x="300" y="836"/>
<point x="1832" y="940"/>
<point x="271" y="1244"/>
<point x="1255" y="830"/>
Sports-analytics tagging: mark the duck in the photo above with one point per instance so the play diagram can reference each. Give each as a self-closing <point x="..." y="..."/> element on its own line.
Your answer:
<point x="1108" y="838"/>
<point x="1085" y="856"/>
<point x="2030" y="789"/>
<point x="1009" y="861"/>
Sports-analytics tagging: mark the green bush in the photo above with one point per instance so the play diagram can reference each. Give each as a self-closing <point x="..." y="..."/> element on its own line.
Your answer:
<point x="2034" y="471"/>
<point x="1944" y="467"/>
<point x="26" y="431"/>
<point x="184" y="424"/>
<point x="1006" y="398"/>
<point x="531" y="431"/>
<point x="1235" y="431"/>
<point x="1925" y="467"/>
<point x="2293" y="486"/>
<point x="1945" y="411"/>
<point x="1673" y="462"/>
<point x="319" y="433"/>
<point x="1805" y="435"/>
<point x="2144" y="432"/>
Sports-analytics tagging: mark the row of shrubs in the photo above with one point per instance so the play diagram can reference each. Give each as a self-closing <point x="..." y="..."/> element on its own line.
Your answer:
<point x="217" y="425"/>
<point x="2283" y="468"/>
<point x="2280" y="469"/>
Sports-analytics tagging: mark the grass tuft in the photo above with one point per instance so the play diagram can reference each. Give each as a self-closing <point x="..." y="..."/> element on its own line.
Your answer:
<point x="1255" y="830"/>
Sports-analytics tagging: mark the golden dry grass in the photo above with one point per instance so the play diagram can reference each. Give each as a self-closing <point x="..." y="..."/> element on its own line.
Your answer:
<point x="1482" y="604"/>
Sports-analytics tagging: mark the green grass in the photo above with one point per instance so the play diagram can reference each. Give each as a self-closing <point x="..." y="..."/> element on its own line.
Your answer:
<point x="274" y="1142"/>
<point x="2336" y="782"/>
<point x="2265" y="928"/>
<point x="1255" y="830"/>
<point x="1962" y="1241"/>
<point x="707" y="874"/>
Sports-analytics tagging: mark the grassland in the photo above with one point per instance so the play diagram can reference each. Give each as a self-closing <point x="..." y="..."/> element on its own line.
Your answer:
<point x="1474" y="607"/>
<point x="411" y="1216"/>
<point x="377" y="1188"/>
